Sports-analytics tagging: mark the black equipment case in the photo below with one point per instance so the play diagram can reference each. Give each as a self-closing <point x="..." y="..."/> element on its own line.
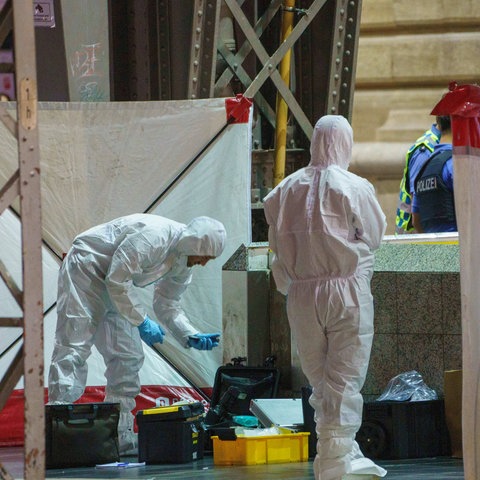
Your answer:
<point x="246" y="384"/>
<point x="234" y="387"/>
<point x="81" y="434"/>
<point x="399" y="430"/>
<point x="172" y="434"/>
<point x="393" y="430"/>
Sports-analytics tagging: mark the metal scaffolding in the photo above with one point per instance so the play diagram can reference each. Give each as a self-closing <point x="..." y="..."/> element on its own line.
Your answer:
<point x="24" y="185"/>
<point x="208" y="48"/>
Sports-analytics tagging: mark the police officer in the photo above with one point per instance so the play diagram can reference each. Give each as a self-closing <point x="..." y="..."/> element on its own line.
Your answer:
<point x="433" y="205"/>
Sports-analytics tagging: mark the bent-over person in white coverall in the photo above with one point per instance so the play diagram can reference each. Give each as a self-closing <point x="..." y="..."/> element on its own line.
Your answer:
<point x="324" y="224"/>
<point x="98" y="303"/>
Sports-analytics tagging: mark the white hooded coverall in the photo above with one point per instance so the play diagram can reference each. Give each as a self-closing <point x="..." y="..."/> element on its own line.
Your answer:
<point x="98" y="303"/>
<point x="324" y="224"/>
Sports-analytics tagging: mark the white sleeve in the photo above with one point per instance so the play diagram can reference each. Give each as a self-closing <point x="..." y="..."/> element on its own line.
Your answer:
<point x="126" y="262"/>
<point x="279" y="272"/>
<point x="369" y="220"/>
<point x="167" y="304"/>
<point x="282" y="279"/>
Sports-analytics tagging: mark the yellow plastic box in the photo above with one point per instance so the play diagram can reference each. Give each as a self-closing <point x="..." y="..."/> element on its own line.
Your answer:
<point x="246" y="450"/>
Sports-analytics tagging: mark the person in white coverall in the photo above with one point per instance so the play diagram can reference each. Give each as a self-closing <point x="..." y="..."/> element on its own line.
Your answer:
<point x="324" y="223"/>
<point x="98" y="303"/>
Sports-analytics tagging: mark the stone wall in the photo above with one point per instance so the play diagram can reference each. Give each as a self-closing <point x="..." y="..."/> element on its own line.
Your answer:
<point x="416" y="291"/>
<point x="409" y="52"/>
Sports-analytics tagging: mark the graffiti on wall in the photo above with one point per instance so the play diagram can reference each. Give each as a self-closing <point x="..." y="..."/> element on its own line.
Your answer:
<point x="86" y="68"/>
<point x="85" y="27"/>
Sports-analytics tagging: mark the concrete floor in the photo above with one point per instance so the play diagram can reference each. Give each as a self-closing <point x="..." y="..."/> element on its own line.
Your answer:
<point x="438" y="468"/>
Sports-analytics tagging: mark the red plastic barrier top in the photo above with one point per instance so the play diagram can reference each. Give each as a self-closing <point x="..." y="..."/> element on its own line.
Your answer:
<point x="462" y="103"/>
<point x="238" y="109"/>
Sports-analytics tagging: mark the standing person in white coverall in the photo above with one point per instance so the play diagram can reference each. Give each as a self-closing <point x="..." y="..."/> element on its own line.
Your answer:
<point x="98" y="303"/>
<point x="324" y="224"/>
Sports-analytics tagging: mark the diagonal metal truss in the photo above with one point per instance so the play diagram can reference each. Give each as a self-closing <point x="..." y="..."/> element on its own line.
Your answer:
<point x="336" y="51"/>
<point x="235" y="60"/>
<point x="324" y="43"/>
<point x="25" y="185"/>
<point x="170" y="50"/>
<point x="269" y="69"/>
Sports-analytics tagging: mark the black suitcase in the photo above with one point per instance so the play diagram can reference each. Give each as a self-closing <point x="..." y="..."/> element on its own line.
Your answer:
<point x="234" y="387"/>
<point x="81" y="435"/>
<point x="244" y="384"/>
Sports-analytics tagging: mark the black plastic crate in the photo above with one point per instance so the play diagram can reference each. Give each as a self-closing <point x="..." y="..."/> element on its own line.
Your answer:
<point x="171" y="434"/>
<point x="172" y="412"/>
<point x="399" y="430"/>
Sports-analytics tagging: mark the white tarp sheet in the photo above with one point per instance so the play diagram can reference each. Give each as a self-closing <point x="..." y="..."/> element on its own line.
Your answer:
<point x="104" y="160"/>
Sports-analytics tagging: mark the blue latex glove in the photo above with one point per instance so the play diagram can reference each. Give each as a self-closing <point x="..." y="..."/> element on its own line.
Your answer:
<point x="151" y="332"/>
<point x="204" y="341"/>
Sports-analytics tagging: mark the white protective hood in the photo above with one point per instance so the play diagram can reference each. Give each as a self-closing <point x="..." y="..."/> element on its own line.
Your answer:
<point x="332" y="142"/>
<point x="203" y="236"/>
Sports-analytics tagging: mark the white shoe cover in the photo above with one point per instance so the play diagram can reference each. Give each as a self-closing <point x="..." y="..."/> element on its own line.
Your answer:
<point x="353" y="476"/>
<point x="128" y="443"/>
<point x="364" y="469"/>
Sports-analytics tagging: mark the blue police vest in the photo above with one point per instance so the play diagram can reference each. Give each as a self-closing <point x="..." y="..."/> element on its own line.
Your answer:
<point x="435" y="201"/>
<point x="403" y="220"/>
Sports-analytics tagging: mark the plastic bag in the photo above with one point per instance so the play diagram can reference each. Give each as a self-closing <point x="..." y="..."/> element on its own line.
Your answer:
<point x="408" y="386"/>
<point x="245" y="421"/>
